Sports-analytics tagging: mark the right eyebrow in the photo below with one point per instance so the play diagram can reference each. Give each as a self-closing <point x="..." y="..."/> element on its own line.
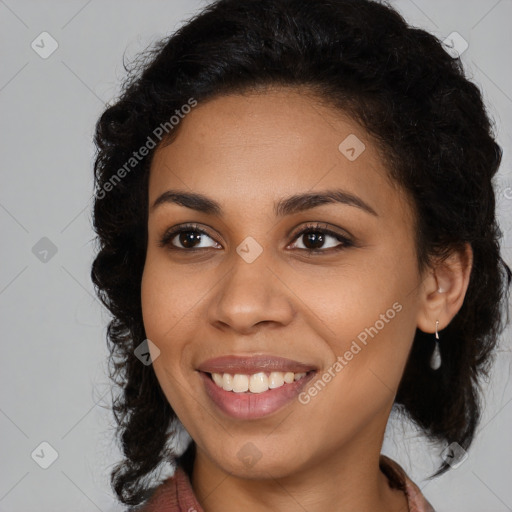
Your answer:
<point x="191" y="200"/>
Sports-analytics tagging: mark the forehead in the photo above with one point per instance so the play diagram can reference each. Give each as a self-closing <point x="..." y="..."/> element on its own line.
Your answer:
<point x="258" y="147"/>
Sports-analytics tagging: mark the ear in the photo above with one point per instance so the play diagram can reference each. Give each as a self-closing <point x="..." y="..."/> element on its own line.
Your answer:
<point x="443" y="290"/>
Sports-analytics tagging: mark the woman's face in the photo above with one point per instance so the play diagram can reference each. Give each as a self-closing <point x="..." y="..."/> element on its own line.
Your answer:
<point x="248" y="286"/>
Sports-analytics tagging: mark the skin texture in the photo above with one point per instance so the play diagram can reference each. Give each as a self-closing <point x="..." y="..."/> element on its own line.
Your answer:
<point x="246" y="152"/>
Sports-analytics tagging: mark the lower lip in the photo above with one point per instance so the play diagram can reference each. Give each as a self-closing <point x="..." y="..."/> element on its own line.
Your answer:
<point x="248" y="406"/>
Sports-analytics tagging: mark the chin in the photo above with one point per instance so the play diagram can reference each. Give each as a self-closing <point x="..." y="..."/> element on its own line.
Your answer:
<point x="257" y="460"/>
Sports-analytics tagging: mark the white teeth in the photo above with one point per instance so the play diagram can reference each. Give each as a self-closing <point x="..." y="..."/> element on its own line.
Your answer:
<point x="258" y="383"/>
<point x="217" y="378"/>
<point x="255" y="383"/>
<point x="227" y="381"/>
<point x="240" y="383"/>
<point x="276" y="380"/>
<point x="288" y="377"/>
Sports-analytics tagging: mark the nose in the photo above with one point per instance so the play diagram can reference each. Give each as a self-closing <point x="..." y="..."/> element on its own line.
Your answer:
<point x="252" y="293"/>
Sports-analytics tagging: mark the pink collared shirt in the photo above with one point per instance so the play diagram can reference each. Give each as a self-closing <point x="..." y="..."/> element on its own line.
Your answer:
<point x="176" y="494"/>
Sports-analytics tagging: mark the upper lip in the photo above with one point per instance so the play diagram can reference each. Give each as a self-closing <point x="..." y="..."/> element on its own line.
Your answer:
<point x="249" y="365"/>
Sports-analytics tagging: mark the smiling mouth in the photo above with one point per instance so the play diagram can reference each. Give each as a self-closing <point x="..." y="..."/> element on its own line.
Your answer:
<point x="241" y="403"/>
<point x="250" y="387"/>
<point x="257" y="382"/>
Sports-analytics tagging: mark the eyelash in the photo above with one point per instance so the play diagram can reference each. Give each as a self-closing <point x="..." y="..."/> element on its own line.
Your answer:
<point x="345" y="243"/>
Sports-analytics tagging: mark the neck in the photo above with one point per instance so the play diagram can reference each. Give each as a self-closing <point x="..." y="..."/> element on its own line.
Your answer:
<point x="346" y="481"/>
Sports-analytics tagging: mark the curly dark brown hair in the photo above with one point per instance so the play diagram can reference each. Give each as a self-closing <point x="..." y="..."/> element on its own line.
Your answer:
<point x="429" y="120"/>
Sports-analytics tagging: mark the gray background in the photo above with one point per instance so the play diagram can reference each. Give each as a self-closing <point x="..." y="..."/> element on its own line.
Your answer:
<point x="54" y="386"/>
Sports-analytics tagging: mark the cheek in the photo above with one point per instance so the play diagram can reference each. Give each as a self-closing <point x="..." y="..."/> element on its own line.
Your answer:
<point x="368" y="315"/>
<point x="170" y="300"/>
<point x="165" y="300"/>
<point x="364" y="294"/>
<point x="157" y="304"/>
<point x="161" y="312"/>
<point x="357" y="389"/>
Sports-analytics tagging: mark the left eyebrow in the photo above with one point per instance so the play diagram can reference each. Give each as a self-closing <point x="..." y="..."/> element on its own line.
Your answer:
<point x="287" y="206"/>
<point x="301" y="202"/>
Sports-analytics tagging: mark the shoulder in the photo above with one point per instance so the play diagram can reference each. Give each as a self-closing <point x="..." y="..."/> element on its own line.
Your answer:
<point x="175" y="494"/>
<point x="398" y="479"/>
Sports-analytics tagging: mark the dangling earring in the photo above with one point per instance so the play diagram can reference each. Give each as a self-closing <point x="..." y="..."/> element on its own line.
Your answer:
<point x="435" y="360"/>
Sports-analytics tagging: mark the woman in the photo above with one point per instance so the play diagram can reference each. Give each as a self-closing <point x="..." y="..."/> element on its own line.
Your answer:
<point x="297" y="231"/>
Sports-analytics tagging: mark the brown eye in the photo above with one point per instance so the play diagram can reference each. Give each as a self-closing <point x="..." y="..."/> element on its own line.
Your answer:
<point x="185" y="238"/>
<point x="188" y="239"/>
<point x="314" y="238"/>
